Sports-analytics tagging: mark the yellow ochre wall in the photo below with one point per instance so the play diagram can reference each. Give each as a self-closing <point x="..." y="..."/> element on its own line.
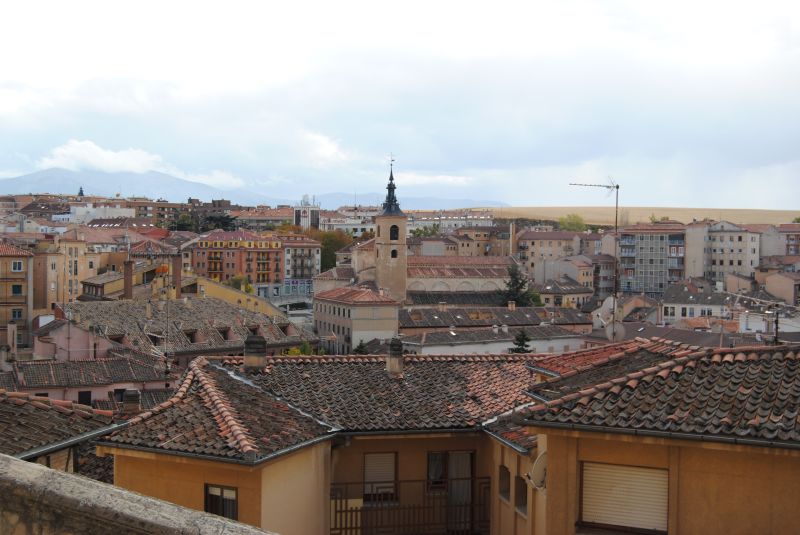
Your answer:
<point x="713" y="488"/>
<point x="288" y="495"/>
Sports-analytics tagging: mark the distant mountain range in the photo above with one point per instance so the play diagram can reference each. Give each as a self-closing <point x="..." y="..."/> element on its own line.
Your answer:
<point x="157" y="185"/>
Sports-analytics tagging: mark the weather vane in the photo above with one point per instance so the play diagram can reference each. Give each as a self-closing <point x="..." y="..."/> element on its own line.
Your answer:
<point x="391" y="160"/>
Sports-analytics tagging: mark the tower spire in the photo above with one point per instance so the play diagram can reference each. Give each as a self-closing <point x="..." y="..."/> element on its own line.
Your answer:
<point x="390" y="205"/>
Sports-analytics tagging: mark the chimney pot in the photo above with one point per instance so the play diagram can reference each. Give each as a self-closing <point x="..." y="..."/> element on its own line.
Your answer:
<point x="504" y="328"/>
<point x="512" y="305"/>
<point x="131" y="402"/>
<point x="255" y="353"/>
<point x="495" y="329"/>
<point x="394" y="361"/>
<point x="441" y="306"/>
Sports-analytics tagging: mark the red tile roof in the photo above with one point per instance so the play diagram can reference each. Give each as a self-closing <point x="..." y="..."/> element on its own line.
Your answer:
<point x="217" y="415"/>
<point x="354" y="296"/>
<point x="460" y="261"/>
<point x="30" y="421"/>
<point x="7" y="249"/>
<point x="750" y="395"/>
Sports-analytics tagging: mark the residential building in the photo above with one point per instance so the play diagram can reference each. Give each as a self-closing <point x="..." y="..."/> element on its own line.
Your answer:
<point x="537" y="247"/>
<point x="790" y="235"/>
<point x="306" y="214"/>
<point x="16" y="285"/>
<point x="651" y="256"/>
<point x="733" y="249"/>
<point x="686" y="300"/>
<point x="263" y="218"/>
<point x="566" y="291"/>
<point x="449" y="220"/>
<point x="347" y="317"/>
<point x="785" y="286"/>
<point x="489" y="240"/>
<point x="302" y="262"/>
<point x="663" y="437"/>
<point x="182" y="328"/>
<point x="221" y="255"/>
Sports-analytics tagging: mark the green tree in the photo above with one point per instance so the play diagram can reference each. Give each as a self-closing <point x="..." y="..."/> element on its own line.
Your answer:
<point x="426" y="231"/>
<point x="223" y="221"/>
<point x="306" y="349"/>
<point x="184" y="222"/>
<point x="572" y="222"/>
<point x="241" y="283"/>
<point x="796" y="220"/>
<point x="521" y="342"/>
<point x="518" y="289"/>
<point x="332" y="241"/>
<point x="360" y="349"/>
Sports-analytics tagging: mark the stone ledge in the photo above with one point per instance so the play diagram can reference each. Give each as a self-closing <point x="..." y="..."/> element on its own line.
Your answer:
<point x="37" y="499"/>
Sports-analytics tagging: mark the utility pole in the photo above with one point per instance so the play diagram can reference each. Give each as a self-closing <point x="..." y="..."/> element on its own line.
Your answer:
<point x="612" y="186"/>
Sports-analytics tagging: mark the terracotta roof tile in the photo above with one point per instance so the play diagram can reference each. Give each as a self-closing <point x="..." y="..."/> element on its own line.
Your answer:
<point x="29" y="421"/>
<point x="215" y="414"/>
<point x="354" y="295"/>
<point x="749" y="394"/>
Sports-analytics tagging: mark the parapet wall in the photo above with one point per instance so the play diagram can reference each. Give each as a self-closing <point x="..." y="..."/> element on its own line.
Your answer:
<point x="39" y="500"/>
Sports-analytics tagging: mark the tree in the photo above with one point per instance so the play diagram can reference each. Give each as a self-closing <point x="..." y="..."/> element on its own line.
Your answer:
<point x="80" y="192"/>
<point x="222" y="221"/>
<point x="521" y="342"/>
<point x="360" y="349"/>
<point x="426" y="231"/>
<point x="572" y="222"/>
<point x="332" y="241"/>
<point x="241" y="283"/>
<point x="518" y="289"/>
<point x="796" y="220"/>
<point x="184" y="222"/>
<point x="306" y="349"/>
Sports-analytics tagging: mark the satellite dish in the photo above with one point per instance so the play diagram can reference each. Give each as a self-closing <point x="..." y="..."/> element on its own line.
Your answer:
<point x="537" y="475"/>
<point x="615" y="331"/>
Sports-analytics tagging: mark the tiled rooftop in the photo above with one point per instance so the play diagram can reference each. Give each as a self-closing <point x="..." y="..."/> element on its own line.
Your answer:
<point x="29" y="422"/>
<point x="34" y="374"/>
<point x="354" y="296"/>
<point x="494" y="299"/>
<point x="195" y="324"/>
<point x="7" y="249"/>
<point x="216" y="414"/>
<point x="488" y="316"/>
<point x="356" y="393"/>
<point x="747" y="395"/>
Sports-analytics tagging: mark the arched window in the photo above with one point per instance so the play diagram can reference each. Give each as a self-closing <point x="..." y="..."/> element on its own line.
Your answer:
<point x="394" y="253"/>
<point x="394" y="232"/>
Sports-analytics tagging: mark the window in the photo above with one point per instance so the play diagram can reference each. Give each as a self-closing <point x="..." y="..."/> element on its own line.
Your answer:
<point x="437" y="470"/>
<point x="16" y="265"/>
<point x="504" y="483"/>
<point x="379" y="476"/>
<point x="394" y="253"/>
<point x="521" y="495"/>
<point x="683" y="312"/>
<point x="394" y="232"/>
<point x="16" y="289"/>
<point x="85" y="397"/>
<point x="222" y="501"/>
<point x="16" y="313"/>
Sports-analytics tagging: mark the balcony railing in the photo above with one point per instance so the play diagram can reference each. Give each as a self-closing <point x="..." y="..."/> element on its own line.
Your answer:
<point x="452" y="506"/>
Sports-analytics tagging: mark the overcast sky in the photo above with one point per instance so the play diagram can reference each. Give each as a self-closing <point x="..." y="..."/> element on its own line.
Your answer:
<point x="682" y="103"/>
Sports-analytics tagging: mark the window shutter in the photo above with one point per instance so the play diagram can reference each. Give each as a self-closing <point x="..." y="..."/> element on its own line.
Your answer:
<point x="625" y="496"/>
<point x="379" y="473"/>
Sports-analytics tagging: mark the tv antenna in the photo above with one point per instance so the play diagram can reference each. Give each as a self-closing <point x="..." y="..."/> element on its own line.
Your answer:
<point x="612" y="330"/>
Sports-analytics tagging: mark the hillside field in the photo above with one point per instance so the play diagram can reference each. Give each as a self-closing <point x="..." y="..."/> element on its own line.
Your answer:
<point x="604" y="215"/>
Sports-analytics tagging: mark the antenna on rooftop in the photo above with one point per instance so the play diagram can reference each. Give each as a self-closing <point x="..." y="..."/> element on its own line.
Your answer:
<point x="611" y="186"/>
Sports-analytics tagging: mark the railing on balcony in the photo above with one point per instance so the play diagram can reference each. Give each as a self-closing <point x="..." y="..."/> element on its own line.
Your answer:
<point x="452" y="507"/>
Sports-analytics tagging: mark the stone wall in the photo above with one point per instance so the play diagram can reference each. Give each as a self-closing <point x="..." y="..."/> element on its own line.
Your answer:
<point x="38" y="500"/>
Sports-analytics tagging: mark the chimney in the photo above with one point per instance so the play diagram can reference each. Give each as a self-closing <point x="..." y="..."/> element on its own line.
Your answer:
<point x="131" y="402"/>
<point x="255" y="353"/>
<point x="441" y="306"/>
<point x="504" y="328"/>
<point x="394" y="361"/>
<point x="495" y="329"/>
<point x="127" y="292"/>
<point x="5" y="359"/>
<point x="512" y="305"/>
<point x="148" y="310"/>
<point x="177" y="266"/>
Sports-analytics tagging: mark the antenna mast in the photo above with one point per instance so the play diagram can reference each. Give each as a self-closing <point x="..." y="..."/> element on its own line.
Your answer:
<point x="611" y="186"/>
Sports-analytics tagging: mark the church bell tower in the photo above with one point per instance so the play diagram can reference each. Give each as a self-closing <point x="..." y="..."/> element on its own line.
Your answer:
<point x="390" y="245"/>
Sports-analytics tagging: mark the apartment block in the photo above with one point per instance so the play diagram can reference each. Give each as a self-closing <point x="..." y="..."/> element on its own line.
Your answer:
<point x="16" y="287"/>
<point x="652" y="256"/>
<point x="345" y="317"/>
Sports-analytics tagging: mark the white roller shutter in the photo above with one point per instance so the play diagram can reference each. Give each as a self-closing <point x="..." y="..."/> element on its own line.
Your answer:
<point x="379" y="473"/>
<point x="627" y="496"/>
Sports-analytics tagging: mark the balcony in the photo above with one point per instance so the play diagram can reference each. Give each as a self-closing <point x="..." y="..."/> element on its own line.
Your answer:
<point x="452" y="507"/>
<point x="627" y="251"/>
<point x="627" y="241"/>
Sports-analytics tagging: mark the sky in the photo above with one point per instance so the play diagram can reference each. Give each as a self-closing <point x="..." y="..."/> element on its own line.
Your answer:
<point x="681" y="103"/>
